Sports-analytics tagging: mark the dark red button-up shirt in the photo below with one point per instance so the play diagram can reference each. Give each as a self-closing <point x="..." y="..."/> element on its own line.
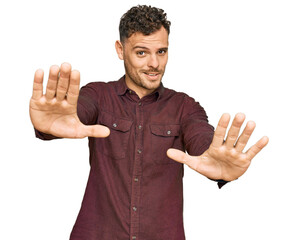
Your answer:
<point x="134" y="190"/>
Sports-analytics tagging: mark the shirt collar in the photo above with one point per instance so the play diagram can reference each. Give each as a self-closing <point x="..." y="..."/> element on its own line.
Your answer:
<point x="122" y="88"/>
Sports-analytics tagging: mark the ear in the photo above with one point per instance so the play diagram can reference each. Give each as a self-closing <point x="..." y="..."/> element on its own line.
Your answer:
<point x="119" y="49"/>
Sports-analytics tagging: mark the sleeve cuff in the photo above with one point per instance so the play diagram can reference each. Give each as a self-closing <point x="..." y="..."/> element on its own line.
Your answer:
<point x="44" y="136"/>
<point x="220" y="182"/>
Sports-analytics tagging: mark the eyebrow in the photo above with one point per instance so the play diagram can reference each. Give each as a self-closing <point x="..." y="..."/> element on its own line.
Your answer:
<point x="141" y="47"/>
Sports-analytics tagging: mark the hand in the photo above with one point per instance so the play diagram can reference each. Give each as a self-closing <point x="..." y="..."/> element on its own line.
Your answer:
<point x="56" y="112"/>
<point x="224" y="159"/>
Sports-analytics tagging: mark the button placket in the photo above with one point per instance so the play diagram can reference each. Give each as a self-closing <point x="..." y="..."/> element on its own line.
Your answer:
<point x="137" y="172"/>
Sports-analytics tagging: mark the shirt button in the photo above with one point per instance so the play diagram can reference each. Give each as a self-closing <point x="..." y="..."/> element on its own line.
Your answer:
<point x="140" y="127"/>
<point x="169" y="132"/>
<point x="139" y="151"/>
<point x="134" y="237"/>
<point x="136" y="179"/>
<point x="114" y="124"/>
<point x="135" y="209"/>
<point x="140" y="103"/>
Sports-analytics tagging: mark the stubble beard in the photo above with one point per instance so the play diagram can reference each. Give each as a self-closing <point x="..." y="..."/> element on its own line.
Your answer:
<point x="136" y="77"/>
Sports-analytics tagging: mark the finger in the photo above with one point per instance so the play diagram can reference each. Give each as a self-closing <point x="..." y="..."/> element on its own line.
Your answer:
<point x="220" y="132"/>
<point x="38" y="84"/>
<point x="182" y="157"/>
<point x="52" y="82"/>
<point x="243" y="139"/>
<point x="255" y="149"/>
<point x="74" y="87"/>
<point x="234" y="130"/>
<point x="63" y="81"/>
<point x="97" y="131"/>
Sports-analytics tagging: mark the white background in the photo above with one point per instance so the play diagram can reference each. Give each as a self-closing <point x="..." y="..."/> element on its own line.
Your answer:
<point x="231" y="56"/>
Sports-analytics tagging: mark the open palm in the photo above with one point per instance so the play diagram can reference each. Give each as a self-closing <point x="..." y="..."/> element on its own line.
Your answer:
<point x="55" y="112"/>
<point x="224" y="159"/>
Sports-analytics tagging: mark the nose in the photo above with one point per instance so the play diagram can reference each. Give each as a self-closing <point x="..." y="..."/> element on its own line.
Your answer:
<point x="153" y="61"/>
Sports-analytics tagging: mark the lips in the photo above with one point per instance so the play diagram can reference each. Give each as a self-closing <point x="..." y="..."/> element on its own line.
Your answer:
<point x="152" y="75"/>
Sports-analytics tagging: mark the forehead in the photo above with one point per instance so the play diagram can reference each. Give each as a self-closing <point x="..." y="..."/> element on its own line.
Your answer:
<point x="158" y="39"/>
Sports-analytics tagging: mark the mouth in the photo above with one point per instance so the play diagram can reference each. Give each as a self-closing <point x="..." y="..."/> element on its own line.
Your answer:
<point x="152" y="75"/>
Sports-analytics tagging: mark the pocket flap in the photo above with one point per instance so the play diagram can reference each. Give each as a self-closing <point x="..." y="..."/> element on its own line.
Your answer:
<point x="115" y="123"/>
<point x="171" y="130"/>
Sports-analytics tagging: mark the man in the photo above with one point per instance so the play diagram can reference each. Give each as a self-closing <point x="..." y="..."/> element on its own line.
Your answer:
<point x="138" y="133"/>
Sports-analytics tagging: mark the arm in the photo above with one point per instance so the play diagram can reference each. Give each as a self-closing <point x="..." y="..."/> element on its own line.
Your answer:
<point x="197" y="132"/>
<point x="55" y="112"/>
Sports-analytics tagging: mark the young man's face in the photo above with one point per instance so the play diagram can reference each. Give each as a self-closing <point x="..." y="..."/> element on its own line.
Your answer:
<point x="145" y="59"/>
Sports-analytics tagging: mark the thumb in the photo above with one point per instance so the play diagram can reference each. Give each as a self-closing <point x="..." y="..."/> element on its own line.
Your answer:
<point x="97" y="131"/>
<point x="180" y="156"/>
<point x="177" y="155"/>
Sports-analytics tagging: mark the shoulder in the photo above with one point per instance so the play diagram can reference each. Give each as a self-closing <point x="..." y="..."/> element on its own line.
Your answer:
<point x="189" y="105"/>
<point x="100" y="86"/>
<point x="173" y="94"/>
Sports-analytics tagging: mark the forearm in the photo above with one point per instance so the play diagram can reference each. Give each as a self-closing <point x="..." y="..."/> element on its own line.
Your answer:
<point x="198" y="134"/>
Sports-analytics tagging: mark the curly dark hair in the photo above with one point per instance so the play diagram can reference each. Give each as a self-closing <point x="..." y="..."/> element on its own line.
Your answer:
<point x="144" y="19"/>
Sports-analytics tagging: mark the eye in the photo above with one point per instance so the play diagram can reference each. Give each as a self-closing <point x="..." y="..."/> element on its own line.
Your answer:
<point x="162" y="52"/>
<point x="141" y="53"/>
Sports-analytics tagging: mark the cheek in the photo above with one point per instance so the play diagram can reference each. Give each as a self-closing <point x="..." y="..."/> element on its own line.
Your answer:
<point x="165" y="61"/>
<point x="134" y="62"/>
<point x="138" y="63"/>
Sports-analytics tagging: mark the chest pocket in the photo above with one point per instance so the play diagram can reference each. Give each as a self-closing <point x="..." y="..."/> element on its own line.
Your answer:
<point x="164" y="137"/>
<point x="115" y="145"/>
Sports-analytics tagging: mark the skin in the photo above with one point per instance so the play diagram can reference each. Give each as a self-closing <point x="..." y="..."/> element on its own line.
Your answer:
<point x="145" y="59"/>
<point x="55" y="112"/>
<point x="224" y="159"/>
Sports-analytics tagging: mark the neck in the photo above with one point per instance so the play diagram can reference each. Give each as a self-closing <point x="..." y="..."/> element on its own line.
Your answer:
<point x="140" y="91"/>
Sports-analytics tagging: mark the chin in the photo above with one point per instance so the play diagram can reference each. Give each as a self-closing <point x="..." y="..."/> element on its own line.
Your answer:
<point x="152" y="86"/>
